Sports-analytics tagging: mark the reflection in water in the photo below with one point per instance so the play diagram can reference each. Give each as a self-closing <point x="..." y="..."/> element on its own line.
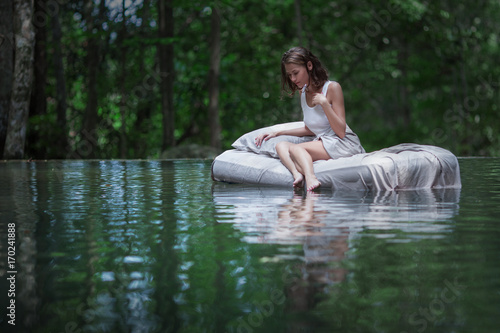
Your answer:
<point x="19" y="186"/>
<point x="327" y="226"/>
<point x="86" y="233"/>
<point x="116" y="246"/>
<point x="301" y="221"/>
<point x="156" y="246"/>
<point x="269" y="215"/>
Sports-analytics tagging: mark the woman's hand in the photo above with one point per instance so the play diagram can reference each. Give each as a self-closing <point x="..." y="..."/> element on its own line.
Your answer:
<point x="319" y="99"/>
<point x="264" y="137"/>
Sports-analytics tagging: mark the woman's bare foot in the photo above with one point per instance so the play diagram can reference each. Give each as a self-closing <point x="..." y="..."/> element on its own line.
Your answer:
<point x="298" y="180"/>
<point x="312" y="184"/>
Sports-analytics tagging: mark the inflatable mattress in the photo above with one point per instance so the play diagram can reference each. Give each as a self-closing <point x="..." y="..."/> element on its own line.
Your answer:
<point x="404" y="166"/>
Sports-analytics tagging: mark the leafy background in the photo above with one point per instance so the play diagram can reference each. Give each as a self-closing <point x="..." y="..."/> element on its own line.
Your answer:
<point x="411" y="71"/>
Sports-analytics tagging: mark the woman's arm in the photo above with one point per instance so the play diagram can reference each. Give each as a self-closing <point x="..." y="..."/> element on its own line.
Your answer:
<point x="300" y="131"/>
<point x="333" y="106"/>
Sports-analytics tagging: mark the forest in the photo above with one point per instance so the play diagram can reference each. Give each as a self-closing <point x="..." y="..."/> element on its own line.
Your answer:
<point x="138" y="79"/>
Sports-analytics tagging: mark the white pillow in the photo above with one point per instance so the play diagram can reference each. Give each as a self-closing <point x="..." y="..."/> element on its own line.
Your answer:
<point x="247" y="141"/>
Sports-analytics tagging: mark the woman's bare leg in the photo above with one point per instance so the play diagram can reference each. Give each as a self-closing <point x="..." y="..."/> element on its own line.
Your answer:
<point x="283" y="150"/>
<point x="303" y="155"/>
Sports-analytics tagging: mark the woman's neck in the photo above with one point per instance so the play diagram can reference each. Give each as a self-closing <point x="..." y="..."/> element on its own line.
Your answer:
<point x="312" y="90"/>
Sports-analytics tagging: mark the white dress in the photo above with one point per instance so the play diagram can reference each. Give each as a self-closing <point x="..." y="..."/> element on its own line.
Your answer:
<point x="315" y="119"/>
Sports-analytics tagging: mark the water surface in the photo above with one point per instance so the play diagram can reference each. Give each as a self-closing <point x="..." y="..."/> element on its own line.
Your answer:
<point x="157" y="246"/>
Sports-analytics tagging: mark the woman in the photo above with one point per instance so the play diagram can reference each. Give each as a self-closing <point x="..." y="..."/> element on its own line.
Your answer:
<point x="322" y="104"/>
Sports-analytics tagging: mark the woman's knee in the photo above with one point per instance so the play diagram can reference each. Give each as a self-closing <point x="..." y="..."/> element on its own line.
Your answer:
<point x="282" y="146"/>
<point x="295" y="150"/>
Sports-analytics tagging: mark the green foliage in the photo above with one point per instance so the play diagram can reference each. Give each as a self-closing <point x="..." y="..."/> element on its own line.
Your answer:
<point x="415" y="71"/>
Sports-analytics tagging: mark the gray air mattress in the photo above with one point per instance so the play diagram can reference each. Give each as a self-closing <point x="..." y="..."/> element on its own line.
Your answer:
<point x="404" y="166"/>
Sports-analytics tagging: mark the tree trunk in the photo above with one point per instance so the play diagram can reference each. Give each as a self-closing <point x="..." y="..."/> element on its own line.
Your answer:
<point x="298" y="18"/>
<point x="38" y="103"/>
<point x="166" y="60"/>
<point x="23" y="77"/>
<point x="60" y="87"/>
<point x="123" y="77"/>
<point x="38" y="99"/>
<point x="89" y="130"/>
<point x="6" y="66"/>
<point x="144" y="106"/>
<point x="213" y="81"/>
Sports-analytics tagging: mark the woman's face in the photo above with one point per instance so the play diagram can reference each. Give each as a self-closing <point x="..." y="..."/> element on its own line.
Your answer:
<point x="298" y="74"/>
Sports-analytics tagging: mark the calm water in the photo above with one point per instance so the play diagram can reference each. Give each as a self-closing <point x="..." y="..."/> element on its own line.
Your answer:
<point x="156" y="246"/>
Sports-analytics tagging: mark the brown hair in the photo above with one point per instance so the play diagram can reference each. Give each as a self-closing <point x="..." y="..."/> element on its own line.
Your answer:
<point x="301" y="56"/>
